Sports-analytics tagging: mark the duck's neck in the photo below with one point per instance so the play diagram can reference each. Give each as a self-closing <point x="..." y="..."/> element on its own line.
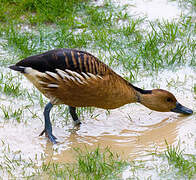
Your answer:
<point x="141" y="94"/>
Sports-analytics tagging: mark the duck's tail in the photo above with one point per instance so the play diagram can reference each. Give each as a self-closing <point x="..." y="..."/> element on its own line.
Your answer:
<point x="18" y="68"/>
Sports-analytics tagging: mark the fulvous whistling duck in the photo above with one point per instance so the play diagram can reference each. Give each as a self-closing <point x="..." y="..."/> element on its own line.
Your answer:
<point x="78" y="79"/>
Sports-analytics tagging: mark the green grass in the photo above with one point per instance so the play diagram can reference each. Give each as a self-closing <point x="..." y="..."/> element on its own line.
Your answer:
<point x="186" y="167"/>
<point x="11" y="85"/>
<point x="100" y="165"/>
<point x="187" y="4"/>
<point x="35" y="11"/>
<point x="95" y="165"/>
<point x="9" y="112"/>
<point x="194" y="88"/>
<point x="5" y="112"/>
<point x="13" y="162"/>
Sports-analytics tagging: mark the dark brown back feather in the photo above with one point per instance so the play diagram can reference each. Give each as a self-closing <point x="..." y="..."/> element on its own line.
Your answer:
<point x="75" y="60"/>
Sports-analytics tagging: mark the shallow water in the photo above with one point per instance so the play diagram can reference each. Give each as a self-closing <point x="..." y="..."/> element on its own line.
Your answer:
<point x="132" y="130"/>
<point x="155" y="9"/>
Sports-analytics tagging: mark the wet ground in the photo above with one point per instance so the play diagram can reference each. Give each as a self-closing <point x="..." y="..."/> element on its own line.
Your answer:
<point x="132" y="130"/>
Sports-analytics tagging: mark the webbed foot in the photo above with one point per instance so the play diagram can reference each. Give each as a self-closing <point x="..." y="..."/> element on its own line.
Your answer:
<point x="50" y="136"/>
<point x="77" y="122"/>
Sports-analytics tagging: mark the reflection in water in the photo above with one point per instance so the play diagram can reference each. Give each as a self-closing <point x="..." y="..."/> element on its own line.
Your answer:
<point x="130" y="142"/>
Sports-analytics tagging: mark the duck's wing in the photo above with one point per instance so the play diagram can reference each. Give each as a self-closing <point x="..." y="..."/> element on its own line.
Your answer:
<point x="62" y="73"/>
<point x="71" y="59"/>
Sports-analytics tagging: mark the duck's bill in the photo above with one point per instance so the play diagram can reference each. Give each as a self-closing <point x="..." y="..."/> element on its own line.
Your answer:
<point x="181" y="109"/>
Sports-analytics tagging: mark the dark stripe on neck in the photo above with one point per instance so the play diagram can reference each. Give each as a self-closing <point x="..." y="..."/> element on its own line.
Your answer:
<point x="142" y="91"/>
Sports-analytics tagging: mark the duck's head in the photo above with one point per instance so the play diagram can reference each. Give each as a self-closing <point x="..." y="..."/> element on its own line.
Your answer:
<point x="163" y="101"/>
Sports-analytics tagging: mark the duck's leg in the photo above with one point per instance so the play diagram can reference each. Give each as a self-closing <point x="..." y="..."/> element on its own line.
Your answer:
<point x="48" y="127"/>
<point x="74" y="116"/>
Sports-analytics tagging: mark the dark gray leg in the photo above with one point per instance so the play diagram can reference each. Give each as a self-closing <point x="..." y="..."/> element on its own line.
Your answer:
<point x="74" y="116"/>
<point x="48" y="127"/>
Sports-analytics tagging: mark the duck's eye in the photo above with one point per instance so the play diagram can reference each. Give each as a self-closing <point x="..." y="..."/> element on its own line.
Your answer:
<point x="169" y="100"/>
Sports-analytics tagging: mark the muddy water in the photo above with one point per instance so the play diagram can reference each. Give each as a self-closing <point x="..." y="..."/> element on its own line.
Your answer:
<point x="132" y="130"/>
<point x="132" y="139"/>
